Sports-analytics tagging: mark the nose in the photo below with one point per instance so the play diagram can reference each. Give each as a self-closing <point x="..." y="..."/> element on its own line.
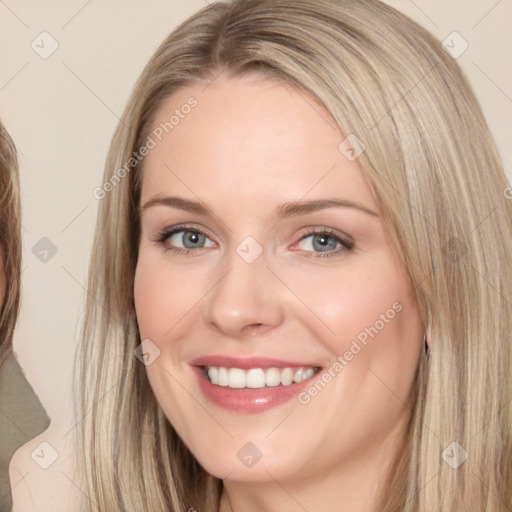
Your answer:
<point x="246" y="301"/>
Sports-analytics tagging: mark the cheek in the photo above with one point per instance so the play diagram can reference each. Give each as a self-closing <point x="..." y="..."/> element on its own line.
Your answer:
<point x="345" y="302"/>
<point x="164" y="296"/>
<point x="152" y="295"/>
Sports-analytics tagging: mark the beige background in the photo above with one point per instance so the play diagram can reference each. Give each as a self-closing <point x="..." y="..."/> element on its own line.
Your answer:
<point x="62" y="111"/>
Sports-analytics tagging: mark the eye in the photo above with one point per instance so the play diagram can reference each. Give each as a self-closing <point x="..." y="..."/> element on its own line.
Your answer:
<point x="184" y="239"/>
<point x="324" y="242"/>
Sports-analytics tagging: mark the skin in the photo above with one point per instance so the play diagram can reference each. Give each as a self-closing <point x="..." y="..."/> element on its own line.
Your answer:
<point x="250" y="145"/>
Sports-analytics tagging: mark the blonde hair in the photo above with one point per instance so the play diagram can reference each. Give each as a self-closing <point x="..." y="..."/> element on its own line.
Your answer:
<point x="434" y="169"/>
<point x="10" y="240"/>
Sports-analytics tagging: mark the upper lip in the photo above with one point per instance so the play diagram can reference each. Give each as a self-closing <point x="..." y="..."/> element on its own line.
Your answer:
<point x="246" y="363"/>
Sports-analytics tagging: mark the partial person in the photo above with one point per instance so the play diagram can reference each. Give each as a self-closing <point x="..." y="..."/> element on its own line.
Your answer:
<point x="22" y="416"/>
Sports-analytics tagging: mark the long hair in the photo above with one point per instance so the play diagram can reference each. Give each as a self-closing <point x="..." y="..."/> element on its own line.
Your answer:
<point x="431" y="162"/>
<point x="10" y="240"/>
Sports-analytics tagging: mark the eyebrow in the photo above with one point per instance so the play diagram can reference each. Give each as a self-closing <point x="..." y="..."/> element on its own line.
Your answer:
<point x="285" y="210"/>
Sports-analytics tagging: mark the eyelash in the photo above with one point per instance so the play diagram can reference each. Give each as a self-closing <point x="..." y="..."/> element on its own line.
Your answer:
<point x="164" y="236"/>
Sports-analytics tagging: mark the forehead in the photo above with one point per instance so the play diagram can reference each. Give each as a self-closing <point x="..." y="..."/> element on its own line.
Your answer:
<point x="248" y="137"/>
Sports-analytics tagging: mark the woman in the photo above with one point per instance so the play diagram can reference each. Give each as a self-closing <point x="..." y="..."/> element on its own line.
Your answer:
<point x="298" y="290"/>
<point x="21" y="413"/>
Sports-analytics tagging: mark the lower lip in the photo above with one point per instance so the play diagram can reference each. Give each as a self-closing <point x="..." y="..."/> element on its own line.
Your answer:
<point x="248" y="400"/>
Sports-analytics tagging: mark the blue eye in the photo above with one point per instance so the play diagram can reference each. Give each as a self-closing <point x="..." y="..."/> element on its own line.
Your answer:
<point x="185" y="239"/>
<point x="324" y="243"/>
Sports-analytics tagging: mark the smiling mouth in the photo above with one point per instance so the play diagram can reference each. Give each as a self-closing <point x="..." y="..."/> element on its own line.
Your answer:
<point x="257" y="378"/>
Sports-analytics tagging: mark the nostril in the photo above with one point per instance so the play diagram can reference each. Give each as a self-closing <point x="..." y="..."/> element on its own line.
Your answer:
<point x="255" y="328"/>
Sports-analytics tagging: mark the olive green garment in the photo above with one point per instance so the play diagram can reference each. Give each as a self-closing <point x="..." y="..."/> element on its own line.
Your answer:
<point x="22" y="417"/>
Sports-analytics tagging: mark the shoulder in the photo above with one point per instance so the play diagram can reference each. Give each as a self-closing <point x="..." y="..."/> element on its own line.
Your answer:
<point x="43" y="475"/>
<point x="22" y="417"/>
<point x="19" y="402"/>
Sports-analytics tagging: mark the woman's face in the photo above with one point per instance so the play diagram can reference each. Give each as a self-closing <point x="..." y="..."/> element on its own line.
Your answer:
<point x="263" y="261"/>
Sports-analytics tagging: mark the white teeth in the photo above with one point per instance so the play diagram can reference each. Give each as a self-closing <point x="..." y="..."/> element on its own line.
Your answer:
<point x="303" y="374"/>
<point x="213" y="374"/>
<point x="273" y="377"/>
<point x="223" y="376"/>
<point x="237" y="378"/>
<point x="307" y="373"/>
<point x="256" y="378"/>
<point x="286" y="376"/>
